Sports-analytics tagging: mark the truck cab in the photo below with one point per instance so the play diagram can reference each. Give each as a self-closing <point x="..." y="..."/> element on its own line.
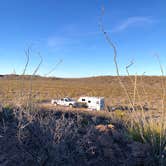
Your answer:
<point x="65" y="102"/>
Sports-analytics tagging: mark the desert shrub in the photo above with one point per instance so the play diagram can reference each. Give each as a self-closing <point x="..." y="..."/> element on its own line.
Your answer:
<point x="55" y="138"/>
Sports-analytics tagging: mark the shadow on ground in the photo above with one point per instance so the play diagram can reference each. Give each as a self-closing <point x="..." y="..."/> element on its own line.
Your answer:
<point x="49" y="138"/>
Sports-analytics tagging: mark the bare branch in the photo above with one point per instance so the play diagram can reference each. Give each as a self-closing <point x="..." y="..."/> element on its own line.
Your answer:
<point x="107" y="37"/>
<point x="38" y="66"/>
<point x="54" y="68"/>
<point x="27" y="53"/>
<point x="112" y="45"/>
<point x="128" y="66"/>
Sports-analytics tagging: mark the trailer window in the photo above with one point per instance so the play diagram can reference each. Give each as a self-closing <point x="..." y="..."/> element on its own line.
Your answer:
<point x="89" y="101"/>
<point x="83" y="99"/>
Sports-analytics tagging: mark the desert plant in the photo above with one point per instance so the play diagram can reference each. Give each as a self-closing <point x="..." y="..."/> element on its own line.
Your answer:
<point x="140" y="127"/>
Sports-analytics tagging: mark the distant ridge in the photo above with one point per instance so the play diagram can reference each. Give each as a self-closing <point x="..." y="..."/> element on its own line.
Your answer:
<point x="13" y="76"/>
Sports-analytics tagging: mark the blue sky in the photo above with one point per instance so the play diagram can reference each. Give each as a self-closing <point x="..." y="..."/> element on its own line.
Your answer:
<point x="69" y="30"/>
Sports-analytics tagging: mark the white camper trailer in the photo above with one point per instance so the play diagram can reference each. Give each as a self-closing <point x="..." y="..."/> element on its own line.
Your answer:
<point x="93" y="103"/>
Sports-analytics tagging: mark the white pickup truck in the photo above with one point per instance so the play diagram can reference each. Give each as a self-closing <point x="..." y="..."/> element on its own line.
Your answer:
<point x="64" y="102"/>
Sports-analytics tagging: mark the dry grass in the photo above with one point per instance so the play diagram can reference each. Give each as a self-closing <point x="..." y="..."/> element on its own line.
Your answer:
<point x="108" y="86"/>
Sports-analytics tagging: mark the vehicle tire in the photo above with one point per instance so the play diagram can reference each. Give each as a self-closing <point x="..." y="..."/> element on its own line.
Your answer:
<point x="70" y="105"/>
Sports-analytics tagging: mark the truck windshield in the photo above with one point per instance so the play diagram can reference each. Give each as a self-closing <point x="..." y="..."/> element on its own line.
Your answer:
<point x="69" y="99"/>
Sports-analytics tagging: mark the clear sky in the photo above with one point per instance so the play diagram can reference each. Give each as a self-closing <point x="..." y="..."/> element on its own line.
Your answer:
<point x="69" y="30"/>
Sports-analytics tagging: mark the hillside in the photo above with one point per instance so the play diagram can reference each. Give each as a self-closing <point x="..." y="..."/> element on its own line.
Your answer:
<point x="39" y="135"/>
<point x="149" y="88"/>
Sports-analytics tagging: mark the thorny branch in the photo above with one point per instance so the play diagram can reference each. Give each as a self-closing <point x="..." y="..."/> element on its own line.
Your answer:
<point x="109" y="40"/>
